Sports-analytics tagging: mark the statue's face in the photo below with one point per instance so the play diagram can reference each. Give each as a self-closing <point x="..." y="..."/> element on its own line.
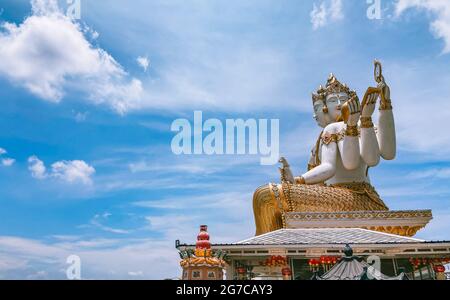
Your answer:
<point x="319" y="113"/>
<point x="329" y="111"/>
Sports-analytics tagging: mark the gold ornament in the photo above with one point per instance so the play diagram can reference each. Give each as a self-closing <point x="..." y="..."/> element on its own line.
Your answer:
<point x="300" y="180"/>
<point x="333" y="86"/>
<point x="366" y="122"/>
<point x="352" y="131"/>
<point x="328" y="138"/>
<point x="386" y="105"/>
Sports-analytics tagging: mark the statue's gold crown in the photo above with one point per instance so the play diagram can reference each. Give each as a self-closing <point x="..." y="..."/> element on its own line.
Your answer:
<point x="333" y="86"/>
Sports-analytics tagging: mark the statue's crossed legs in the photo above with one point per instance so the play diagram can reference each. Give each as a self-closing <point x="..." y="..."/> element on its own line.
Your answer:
<point x="271" y="201"/>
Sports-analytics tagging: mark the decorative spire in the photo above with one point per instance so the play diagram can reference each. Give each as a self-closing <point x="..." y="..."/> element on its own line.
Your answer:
<point x="203" y="262"/>
<point x="348" y="251"/>
<point x="333" y="86"/>
<point x="203" y="242"/>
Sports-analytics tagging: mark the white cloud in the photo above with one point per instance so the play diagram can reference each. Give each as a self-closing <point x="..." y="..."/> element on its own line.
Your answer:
<point x="438" y="228"/>
<point x="97" y="221"/>
<point x="245" y="78"/>
<point x="45" y="7"/>
<point x="325" y="13"/>
<point x="69" y="171"/>
<point x="209" y="69"/>
<point x="440" y="26"/>
<point x="100" y="258"/>
<point x="48" y="48"/>
<point x="413" y="133"/>
<point x="144" y="62"/>
<point x="136" y="274"/>
<point x="8" y="162"/>
<point x="436" y="173"/>
<point x="95" y="35"/>
<point x="130" y="257"/>
<point x="336" y="10"/>
<point x="73" y="171"/>
<point x="318" y="16"/>
<point x="191" y="165"/>
<point x="81" y="116"/>
<point x="37" y="167"/>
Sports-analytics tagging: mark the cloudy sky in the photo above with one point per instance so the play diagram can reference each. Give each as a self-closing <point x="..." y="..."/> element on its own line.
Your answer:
<point x="86" y="109"/>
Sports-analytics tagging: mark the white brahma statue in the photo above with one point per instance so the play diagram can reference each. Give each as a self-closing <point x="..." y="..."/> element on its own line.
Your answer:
<point x="337" y="178"/>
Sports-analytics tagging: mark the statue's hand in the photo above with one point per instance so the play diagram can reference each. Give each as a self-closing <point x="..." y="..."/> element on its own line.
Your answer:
<point x="370" y="101"/>
<point x="385" y="93"/>
<point x="283" y="161"/>
<point x="351" y="111"/>
<point x="285" y="171"/>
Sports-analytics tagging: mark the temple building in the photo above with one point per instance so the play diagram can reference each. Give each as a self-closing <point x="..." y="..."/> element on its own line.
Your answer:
<point x="304" y="224"/>
<point x="299" y="253"/>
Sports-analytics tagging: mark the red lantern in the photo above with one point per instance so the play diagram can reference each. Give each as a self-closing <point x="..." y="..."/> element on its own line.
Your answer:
<point x="275" y="261"/>
<point x="286" y="271"/>
<point x="439" y="269"/>
<point x="241" y="270"/>
<point x="314" y="264"/>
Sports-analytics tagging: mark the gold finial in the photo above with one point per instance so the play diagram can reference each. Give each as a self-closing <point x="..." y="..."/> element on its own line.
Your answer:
<point x="378" y="71"/>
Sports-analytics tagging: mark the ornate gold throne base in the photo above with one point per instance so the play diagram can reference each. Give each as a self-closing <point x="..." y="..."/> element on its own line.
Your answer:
<point x="356" y="205"/>
<point x="405" y="223"/>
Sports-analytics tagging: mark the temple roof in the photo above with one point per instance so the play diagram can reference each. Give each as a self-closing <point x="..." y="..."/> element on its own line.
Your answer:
<point x="327" y="236"/>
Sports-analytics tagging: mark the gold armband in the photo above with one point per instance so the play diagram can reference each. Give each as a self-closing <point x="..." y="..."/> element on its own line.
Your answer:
<point x="386" y="105"/>
<point x="300" y="180"/>
<point x="352" y="131"/>
<point x="366" y="122"/>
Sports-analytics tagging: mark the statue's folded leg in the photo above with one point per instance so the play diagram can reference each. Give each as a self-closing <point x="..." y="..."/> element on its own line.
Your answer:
<point x="270" y="201"/>
<point x="268" y="216"/>
<point x="338" y="198"/>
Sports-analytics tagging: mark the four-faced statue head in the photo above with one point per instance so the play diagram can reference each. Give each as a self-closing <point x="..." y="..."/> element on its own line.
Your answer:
<point x="328" y="101"/>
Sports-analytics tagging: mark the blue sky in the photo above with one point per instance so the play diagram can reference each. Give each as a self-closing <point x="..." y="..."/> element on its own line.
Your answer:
<point x="86" y="165"/>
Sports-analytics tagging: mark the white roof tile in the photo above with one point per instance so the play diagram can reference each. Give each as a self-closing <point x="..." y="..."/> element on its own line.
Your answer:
<point x="326" y="236"/>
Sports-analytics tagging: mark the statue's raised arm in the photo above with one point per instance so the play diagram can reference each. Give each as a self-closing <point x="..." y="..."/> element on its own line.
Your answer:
<point x="383" y="141"/>
<point x="386" y="124"/>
